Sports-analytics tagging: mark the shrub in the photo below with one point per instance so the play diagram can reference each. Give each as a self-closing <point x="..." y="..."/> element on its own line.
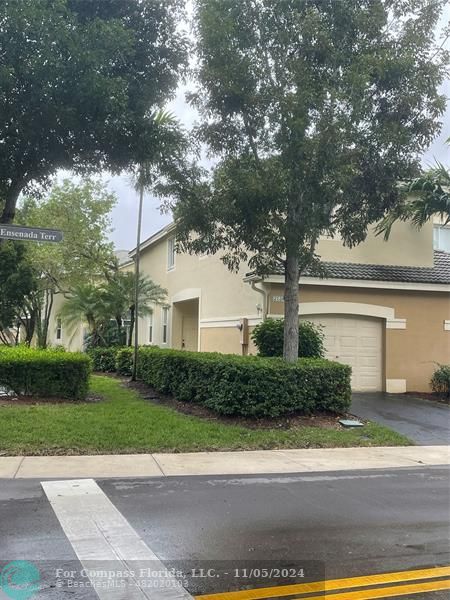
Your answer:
<point x="247" y="386"/>
<point x="268" y="337"/>
<point x="45" y="373"/>
<point x="103" y="359"/>
<point x="440" y="382"/>
<point x="124" y="361"/>
<point x="109" y="337"/>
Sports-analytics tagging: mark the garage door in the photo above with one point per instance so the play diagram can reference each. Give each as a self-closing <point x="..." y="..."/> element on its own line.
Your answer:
<point x="355" y="341"/>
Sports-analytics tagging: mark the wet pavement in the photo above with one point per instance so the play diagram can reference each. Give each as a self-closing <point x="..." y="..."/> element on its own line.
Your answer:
<point x="331" y="524"/>
<point x="425" y="422"/>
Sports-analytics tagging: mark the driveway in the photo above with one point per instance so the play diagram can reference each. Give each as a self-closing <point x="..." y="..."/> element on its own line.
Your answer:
<point x="425" y="422"/>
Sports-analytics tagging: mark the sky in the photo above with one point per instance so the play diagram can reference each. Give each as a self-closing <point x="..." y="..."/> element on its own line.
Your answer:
<point x="124" y="215"/>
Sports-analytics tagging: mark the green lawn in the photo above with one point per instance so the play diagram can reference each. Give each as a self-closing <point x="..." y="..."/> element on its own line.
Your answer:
<point x="124" y="423"/>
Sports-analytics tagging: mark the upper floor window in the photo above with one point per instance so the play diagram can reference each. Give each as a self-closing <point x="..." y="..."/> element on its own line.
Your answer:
<point x="441" y="238"/>
<point x="58" y="329"/>
<point x="171" y="253"/>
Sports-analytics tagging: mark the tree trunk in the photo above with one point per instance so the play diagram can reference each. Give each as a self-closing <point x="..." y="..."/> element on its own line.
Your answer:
<point x="119" y="329"/>
<point x="130" y="334"/>
<point x="43" y="319"/>
<point x="290" y="348"/>
<point x="30" y="327"/>
<point x="9" y="209"/>
<point x="28" y="318"/>
<point x="5" y="337"/>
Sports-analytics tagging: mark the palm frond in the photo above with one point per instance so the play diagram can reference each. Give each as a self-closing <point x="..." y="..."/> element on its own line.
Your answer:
<point x="426" y="196"/>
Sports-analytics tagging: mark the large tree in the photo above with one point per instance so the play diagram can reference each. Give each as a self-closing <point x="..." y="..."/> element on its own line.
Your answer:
<point x="316" y="109"/>
<point x="80" y="81"/>
<point x="85" y="256"/>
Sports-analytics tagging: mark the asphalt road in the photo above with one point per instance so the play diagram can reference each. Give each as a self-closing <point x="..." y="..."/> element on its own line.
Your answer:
<point x="332" y="525"/>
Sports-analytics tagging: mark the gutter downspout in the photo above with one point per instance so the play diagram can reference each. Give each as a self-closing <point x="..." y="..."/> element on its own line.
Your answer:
<point x="265" y="298"/>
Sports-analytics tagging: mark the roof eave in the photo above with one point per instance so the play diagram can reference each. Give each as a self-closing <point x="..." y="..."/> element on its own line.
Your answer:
<point x="156" y="237"/>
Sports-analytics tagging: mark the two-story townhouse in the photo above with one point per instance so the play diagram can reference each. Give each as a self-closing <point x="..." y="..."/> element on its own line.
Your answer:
<point x="384" y="306"/>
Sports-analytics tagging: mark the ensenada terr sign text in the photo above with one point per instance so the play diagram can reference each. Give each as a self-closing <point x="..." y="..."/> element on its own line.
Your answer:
<point x="30" y="234"/>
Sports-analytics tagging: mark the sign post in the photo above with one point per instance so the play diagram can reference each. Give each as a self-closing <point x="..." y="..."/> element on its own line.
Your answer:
<point x="30" y="234"/>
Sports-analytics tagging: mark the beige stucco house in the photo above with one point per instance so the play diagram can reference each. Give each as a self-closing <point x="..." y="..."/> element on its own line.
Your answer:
<point x="385" y="306"/>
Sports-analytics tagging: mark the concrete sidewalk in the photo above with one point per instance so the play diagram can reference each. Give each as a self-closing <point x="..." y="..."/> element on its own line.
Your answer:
<point x="222" y="463"/>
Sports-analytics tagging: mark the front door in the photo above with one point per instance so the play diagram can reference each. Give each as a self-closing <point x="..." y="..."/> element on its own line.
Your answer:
<point x="189" y="333"/>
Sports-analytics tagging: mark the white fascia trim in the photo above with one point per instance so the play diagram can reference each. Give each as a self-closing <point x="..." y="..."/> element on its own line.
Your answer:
<point x="396" y="324"/>
<point x="187" y="294"/>
<point x="346" y="308"/>
<point x="366" y="283"/>
<point x="447" y="325"/>
<point x="154" y="238"/>
<point x="252" y="277"/>
<point x="228" y="321"/>
<point x="349" y="308"/>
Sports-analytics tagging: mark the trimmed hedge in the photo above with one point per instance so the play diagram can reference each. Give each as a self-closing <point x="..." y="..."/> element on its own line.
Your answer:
<point x="247" y="386"/>
<point x="113" y="359"/>
<point x="103" y="359"/>
<point x="124" y="361"/>
<point x="45" y="373"/>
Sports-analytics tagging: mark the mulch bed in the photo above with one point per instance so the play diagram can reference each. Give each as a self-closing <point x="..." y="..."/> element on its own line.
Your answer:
<point x="321" y="420"/>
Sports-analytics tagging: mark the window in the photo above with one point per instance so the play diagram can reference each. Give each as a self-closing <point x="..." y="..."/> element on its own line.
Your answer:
<point x="170" y="253"/>
<point x="150" y="328"/>
<point x="58" y="329"/>
<point x="441" y="238"/>
<point x="165" y="324"/>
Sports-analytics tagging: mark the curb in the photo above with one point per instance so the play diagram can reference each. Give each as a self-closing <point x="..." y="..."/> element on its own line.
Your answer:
<point x="222" y="463"/>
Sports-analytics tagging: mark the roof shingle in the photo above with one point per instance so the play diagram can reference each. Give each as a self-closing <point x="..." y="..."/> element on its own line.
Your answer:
<point x="439" y="273"/>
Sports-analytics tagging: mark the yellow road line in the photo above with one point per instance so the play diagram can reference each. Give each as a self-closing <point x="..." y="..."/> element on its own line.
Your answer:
<point x="387" y="592"/>
<point x="332" y="584"/>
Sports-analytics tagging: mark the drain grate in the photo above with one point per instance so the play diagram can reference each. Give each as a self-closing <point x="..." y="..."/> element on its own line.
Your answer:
<point x="351" y="423"/>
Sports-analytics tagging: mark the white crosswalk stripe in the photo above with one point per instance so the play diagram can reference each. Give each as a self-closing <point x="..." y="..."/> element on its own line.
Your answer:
<point x="100" y="535"/>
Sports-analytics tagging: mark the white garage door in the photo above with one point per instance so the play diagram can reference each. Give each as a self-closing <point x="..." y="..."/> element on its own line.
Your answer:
<point x="355" y="341"/>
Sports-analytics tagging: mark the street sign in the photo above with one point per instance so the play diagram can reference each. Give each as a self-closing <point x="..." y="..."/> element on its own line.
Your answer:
<point x="30" y="234"/>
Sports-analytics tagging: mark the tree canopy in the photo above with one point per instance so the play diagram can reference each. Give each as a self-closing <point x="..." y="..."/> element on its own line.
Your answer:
<point x="118" y="298"/>
<point x="84" y="257"/>
<point x="114" y="299"/>
<point x="17" y="281"/>
<point x="316" y="110"/>
<point x="80" y="82"/>
<point x="82" y="211"/>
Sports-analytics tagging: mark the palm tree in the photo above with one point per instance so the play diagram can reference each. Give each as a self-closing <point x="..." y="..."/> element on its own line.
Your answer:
<point x="118" y="297"/>
<point x="423" y="198"/>
<point x="85" y="304"/>
<point x="161" y="161"/>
